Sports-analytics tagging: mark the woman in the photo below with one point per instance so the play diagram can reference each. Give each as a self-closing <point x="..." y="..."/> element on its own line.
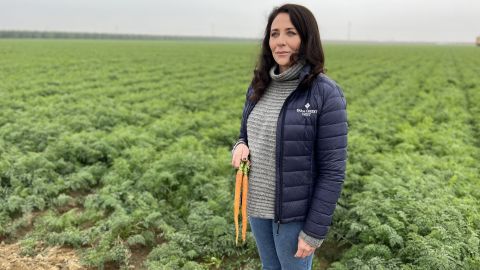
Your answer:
<point x="294" y="130"/>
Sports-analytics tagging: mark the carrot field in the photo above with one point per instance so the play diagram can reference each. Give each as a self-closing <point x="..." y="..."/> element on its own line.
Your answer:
<point x="120" y="150"/>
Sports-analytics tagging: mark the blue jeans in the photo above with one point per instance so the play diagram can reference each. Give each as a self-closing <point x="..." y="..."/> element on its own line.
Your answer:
<point x="277" y="250"/>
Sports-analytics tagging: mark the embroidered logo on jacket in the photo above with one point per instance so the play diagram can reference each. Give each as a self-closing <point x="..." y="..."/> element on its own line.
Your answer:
<point x="306" y="112"/>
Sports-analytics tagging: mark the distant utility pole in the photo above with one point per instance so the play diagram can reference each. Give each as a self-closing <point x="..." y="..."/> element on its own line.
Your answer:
<point x="349" y="30"/>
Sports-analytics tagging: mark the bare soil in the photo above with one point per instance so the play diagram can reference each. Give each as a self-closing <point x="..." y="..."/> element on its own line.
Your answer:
<point x="49" y="258"/>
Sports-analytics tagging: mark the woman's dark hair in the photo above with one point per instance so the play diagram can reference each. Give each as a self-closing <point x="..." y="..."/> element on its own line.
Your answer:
<point x="310" y="48"/>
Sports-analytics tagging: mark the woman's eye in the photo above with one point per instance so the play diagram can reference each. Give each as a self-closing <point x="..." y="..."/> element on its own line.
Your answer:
<point x="274" y="34"/>
<point x="291" y="33"/>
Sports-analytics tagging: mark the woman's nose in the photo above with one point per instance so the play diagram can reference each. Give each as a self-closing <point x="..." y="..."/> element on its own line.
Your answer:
<point x="280" y="41"/>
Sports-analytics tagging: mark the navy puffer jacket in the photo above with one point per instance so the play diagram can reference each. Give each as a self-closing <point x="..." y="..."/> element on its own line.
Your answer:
<point x="311" y="153"/>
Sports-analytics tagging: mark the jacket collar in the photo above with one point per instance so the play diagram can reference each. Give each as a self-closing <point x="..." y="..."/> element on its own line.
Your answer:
<point x="304" y="71"/>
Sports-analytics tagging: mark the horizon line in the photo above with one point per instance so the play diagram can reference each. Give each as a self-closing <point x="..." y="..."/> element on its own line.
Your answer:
<point x="209" y="37"/>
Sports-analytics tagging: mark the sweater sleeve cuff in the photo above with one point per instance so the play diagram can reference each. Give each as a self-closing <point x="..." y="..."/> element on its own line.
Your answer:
<point x="240" y="141"/>
<point x="314" y="242"/>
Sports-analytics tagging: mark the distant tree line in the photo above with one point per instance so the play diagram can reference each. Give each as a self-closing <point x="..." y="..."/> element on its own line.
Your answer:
<point x="77" y="35"/>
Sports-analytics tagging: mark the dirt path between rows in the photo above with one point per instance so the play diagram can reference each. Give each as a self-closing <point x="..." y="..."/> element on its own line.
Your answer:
<point x="50" y="258"/>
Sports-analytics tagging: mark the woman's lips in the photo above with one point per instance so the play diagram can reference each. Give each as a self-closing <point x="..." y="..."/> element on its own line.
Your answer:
<point x="282" y="53"/>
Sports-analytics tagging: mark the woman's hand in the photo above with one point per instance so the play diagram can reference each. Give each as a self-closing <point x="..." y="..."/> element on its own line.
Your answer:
<point x="240" y="153"/>
<point x="304" y="249"/>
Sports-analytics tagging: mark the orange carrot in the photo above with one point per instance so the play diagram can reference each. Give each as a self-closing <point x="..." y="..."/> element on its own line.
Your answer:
<point x="244" y="203"/>
<point x="236" y="203"/>
<point x="241" y="187"/>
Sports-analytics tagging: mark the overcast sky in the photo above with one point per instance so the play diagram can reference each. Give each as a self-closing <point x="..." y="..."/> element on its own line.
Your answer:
<point x="365" y="20"/>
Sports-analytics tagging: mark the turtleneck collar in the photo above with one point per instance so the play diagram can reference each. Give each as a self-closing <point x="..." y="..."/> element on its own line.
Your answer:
<point x="291" y="73"/>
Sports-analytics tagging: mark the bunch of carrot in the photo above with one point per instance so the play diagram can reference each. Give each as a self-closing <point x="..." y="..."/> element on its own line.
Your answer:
<point x="241" y="186"/>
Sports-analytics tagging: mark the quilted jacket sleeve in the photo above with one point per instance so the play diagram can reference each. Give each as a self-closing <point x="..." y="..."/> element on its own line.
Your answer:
<point x="242" y="137"/>
<point x="330" y="151"/>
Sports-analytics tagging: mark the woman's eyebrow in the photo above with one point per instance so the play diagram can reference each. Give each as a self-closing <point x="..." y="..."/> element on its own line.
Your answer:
<point x="288" y="28"/>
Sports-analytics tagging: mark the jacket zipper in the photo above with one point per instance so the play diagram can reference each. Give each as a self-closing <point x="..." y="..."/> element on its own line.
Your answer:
<point x="279" y="186"/>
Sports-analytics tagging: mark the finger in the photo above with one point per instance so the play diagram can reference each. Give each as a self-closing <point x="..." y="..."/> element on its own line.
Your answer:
<point x="236" y="160"/>
<point x="298" y="254"/>
<point x="299" y="249"/>
<point x="306" y="254"/>
<point x="233" y="159"/>
<point x="245" y="155"/>
<point x="311" y="251"/>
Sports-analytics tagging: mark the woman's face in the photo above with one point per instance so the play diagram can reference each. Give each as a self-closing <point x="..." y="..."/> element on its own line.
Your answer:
<point x="284" y="40"/>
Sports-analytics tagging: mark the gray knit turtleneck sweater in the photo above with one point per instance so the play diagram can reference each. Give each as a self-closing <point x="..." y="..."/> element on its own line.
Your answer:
<point x="261" y="133"/>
